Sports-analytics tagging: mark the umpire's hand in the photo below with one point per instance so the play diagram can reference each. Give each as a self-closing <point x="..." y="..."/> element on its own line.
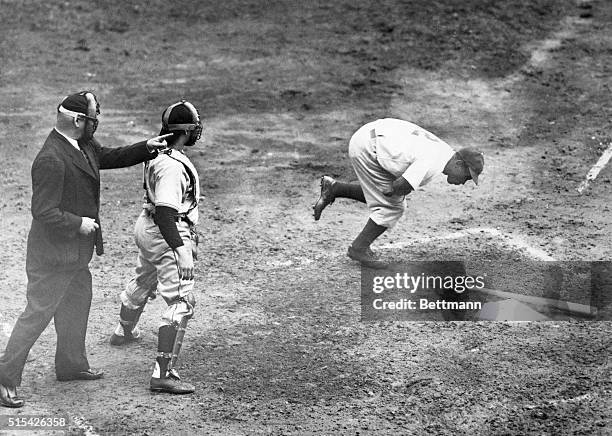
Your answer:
<point x="88" y="225"/>
<point x="158" y="143"/>
<point x="400" y="186"/>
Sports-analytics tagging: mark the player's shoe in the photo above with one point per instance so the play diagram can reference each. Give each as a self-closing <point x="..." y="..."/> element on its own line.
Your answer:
<point x="366" y="257"/>
<point x="120" y="337"/>
<point x="326" y="198"/>
<point x="171" y="384"/>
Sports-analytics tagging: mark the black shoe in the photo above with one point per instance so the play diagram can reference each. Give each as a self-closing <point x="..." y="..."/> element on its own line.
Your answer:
<point x="326" y="198"/>
<point x="366" y="257"/>
<point x="9" y="398"/>
<point x="90" y="374"/>
<point x="172" y="384"/>
<point x="128" y="338"/>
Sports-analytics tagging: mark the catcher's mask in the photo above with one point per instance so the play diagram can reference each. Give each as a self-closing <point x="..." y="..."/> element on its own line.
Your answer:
<point x="182" y="116"/>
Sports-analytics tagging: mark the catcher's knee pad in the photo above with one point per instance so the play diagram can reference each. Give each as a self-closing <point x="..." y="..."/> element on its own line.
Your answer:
<point x="128" y="315"/>
<point x="179" y="310"/>
<point x="190" y="299"/>
<point x="134" y="297"/>
<point x="177" y="315"/>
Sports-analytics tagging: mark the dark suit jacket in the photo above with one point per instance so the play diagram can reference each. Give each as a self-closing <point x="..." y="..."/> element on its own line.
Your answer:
<point x="66" y="187"/>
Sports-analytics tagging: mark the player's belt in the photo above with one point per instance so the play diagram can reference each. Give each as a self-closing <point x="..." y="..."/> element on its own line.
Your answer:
<point x="373" y="144"/>
<point x="181" y="217"/>
<point x="373" y="134"/>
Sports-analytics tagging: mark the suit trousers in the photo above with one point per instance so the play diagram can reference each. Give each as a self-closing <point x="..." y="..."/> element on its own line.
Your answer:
<point x="65" y="297"/>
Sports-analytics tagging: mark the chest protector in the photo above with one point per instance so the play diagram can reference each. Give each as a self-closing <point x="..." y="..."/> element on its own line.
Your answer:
<point x="189" y="202"/>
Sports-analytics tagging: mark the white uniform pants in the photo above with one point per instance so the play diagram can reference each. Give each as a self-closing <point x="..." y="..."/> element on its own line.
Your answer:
<point x="384" y="211"/>
<point x="157" y="270"/>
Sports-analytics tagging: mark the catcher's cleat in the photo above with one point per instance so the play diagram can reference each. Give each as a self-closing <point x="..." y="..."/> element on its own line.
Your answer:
<point x="326" y="198"/>
<point x="171" y="384"/>
<point x="366" y="257"/>
<point x="119" y="337"/>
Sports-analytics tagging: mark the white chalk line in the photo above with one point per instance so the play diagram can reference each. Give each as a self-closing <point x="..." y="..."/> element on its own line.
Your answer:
<point x="574" y="308"/>
<point x="573" y="400"/>
<point x="503" y="239"/>
<point x="80" y="422"/>
<point x="570" y="400"/>
<point x="596" y="169"/>
<point x="84" y="425"/>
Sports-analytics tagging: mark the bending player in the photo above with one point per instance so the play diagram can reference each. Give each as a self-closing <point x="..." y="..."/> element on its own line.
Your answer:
<point x="392" y="158"/>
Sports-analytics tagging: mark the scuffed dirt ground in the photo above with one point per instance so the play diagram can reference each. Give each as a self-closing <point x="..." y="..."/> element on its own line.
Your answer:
<point x="277" y="346"/>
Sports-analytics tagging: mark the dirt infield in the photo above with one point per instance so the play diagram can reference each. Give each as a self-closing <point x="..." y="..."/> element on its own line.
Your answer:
<point x="277" y="345"/>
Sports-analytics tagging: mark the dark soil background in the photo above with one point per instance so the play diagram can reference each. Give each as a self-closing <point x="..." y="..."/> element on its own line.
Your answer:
<point x="277" y="345"/>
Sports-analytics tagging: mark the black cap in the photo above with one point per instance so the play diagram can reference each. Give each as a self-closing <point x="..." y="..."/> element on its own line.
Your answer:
<point x="180" y="114"/>
<point x="474" y="161"/>
<point x="76" y="103"/>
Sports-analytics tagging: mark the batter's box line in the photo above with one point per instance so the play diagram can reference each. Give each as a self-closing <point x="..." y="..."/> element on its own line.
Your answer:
<point x="501" y="238"/>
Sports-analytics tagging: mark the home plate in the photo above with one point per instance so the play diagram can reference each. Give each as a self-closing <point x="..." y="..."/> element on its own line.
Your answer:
<point x="509" y="310"/>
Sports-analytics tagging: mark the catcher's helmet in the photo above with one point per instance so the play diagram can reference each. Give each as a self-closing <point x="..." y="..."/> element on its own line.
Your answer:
<point x="182" y="116"/>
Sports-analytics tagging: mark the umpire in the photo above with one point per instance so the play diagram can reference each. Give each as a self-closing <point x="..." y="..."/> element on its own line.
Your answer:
<point x="65" y="229"/>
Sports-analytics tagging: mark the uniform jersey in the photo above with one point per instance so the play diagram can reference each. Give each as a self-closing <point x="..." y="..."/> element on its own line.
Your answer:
<point x="171" y="180"/>
<point x="388" y="148"/>
<point x="407" y="150"/>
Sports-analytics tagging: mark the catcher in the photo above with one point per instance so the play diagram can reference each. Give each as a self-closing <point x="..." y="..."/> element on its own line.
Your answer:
<point x="167" y="241"/>
<point x="392" y="158"/>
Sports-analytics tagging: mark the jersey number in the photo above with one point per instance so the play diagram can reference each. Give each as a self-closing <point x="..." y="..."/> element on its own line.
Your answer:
<point x="426" y="134"/>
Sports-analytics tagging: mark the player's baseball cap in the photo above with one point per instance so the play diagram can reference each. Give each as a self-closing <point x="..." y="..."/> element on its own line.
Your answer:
<point x="179" y="114"/>
<point x="474" y="160"/>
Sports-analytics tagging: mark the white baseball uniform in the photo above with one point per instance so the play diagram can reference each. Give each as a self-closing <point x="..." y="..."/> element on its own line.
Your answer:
<point x="385" y="149"/>
<point x="172" y="181"/>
